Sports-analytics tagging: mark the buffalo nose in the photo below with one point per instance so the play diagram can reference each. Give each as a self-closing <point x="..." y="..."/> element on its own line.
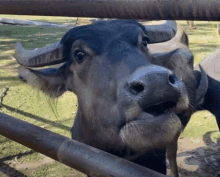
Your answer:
<point x="150" y="78"/>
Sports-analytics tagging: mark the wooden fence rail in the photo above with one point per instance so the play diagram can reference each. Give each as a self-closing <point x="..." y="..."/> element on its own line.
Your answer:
<point x="208" y="10"/>
<point x="82" y="157"/>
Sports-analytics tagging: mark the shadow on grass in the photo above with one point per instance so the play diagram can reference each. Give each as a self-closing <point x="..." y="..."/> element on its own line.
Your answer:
<point x="7" y="84"/>
<point x="206" y="25"/>
<point x="8" y="41"/>
<point x="9" y="64"/>
<point x="5" y="141"/>
<point x="203" y="47"/>
<point x="36" y="117"/>
<point x="207" y="138"/>
<point x="7" y="33"/>
<point x="19" y="155"/>
<point x="210" y="45"/>
<point x="9" y="171"/>
<point x="14" y="78"/>
<point x="202" y="33"/>
<point x="4" y="58"/>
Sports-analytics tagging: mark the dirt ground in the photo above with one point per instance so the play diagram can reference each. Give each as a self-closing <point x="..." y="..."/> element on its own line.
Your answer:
<point x="196" y="158"/>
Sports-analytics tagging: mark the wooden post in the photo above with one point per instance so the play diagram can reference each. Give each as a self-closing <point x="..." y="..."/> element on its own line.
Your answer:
<point x="218" y="28"/>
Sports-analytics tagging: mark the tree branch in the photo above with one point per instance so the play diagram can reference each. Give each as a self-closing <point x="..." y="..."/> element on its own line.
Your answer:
<point x="4" y="93"/>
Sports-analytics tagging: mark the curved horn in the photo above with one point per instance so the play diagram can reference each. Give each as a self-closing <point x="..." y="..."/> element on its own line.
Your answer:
<point x="162" y="32"/>
<point x="50" y="54"/>
<point x="203" y="86"/>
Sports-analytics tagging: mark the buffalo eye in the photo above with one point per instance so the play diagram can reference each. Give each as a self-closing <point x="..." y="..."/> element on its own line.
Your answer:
<point x="145" y="41"/>
<point x="79" y="56"/>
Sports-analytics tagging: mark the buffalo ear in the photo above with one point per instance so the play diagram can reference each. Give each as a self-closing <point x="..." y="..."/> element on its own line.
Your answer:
<point x="51" y="80"/>
<point x="211" y="100"/>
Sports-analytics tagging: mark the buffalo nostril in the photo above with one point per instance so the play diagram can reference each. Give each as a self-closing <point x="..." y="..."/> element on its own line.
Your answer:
<point x="136" y="88"/>
<point x="172" y="79"/>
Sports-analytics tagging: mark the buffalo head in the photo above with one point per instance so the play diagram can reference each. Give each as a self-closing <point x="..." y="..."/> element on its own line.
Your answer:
<point x="129" y="99"/>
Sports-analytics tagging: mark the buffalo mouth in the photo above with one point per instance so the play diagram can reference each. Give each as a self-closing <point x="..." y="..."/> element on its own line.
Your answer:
<point x="160" y="108"/>
<point x="155" y="127"/>
<point x="153" y="110"/>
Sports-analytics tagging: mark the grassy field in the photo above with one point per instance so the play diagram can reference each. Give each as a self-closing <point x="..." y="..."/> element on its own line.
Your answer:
<point x="203" y="39"/>
<point x="32" y="106"/>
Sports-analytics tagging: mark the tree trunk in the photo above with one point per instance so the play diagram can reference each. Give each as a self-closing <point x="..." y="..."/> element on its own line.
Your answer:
<point x="218" y="28"/>
<point x="190" y="24"/>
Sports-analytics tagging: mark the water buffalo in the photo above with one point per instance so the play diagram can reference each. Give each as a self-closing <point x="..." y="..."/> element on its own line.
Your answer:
<point x="208" y="100"/>
<point x="210" y="63"/>
<point x="179" y="41"/>
<point x="211" y="101"/>
<point x="131" y="101"/>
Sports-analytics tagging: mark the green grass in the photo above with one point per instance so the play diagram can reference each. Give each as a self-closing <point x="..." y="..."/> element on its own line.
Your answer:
<point x="58" y="20"/>
<point x="203" y="40"/>
<point x="28" y="104"/>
